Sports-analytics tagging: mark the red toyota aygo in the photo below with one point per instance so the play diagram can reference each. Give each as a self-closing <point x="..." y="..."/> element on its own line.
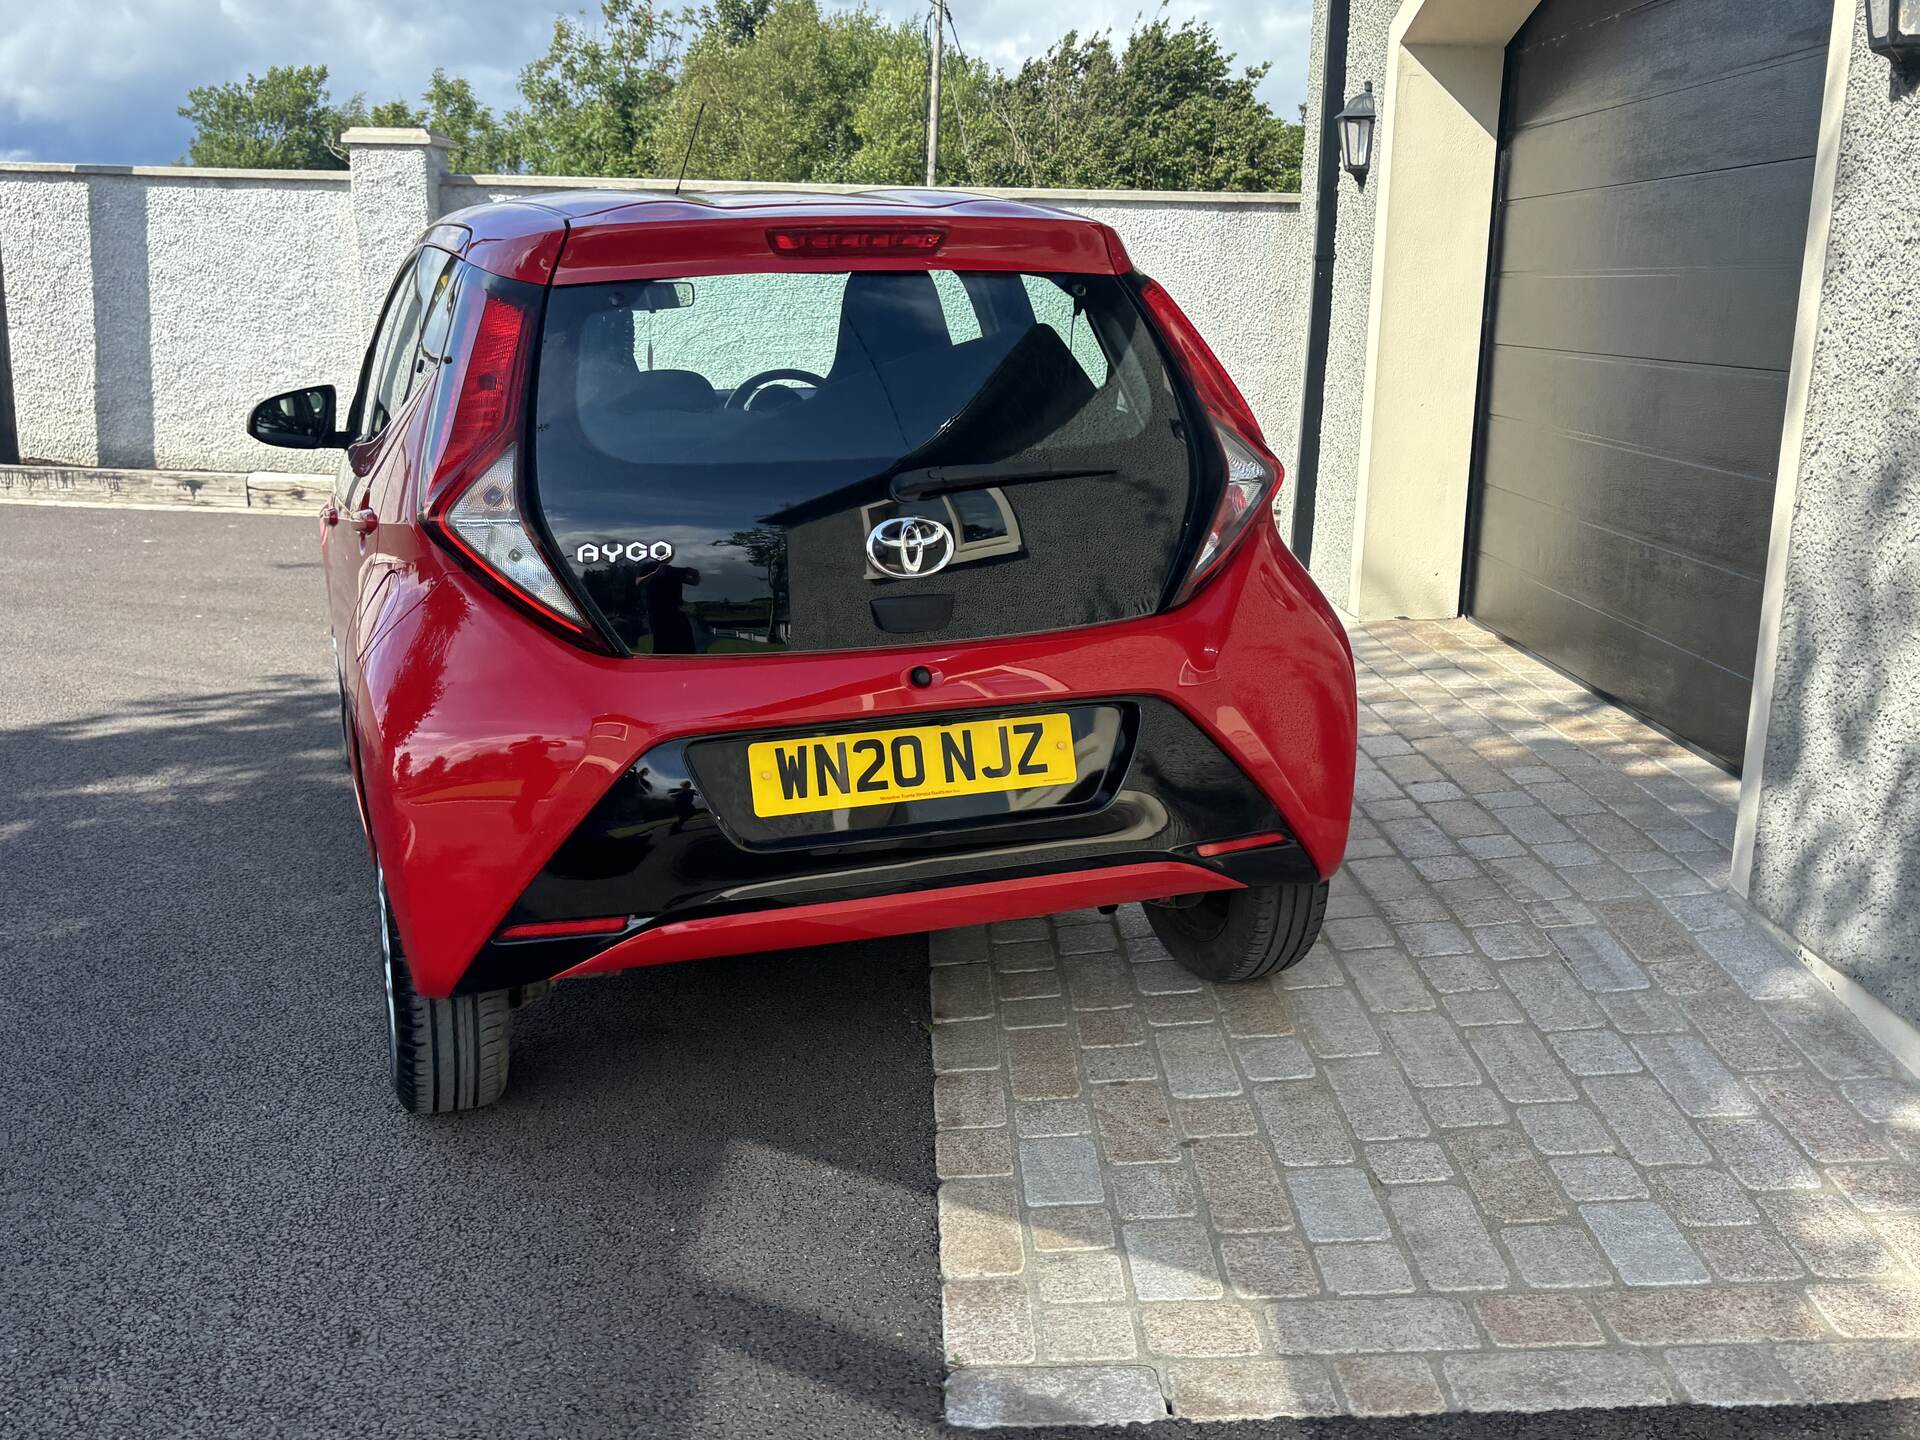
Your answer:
<point x="738" y="573"/>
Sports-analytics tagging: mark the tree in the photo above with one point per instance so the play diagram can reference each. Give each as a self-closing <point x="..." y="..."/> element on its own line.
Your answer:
<point x="594" y="99"/>
<point x="1166" y="113"/>
<point x="397" y="115"/>
<point x="738" y="19"/>
<point x="779" y="103"/>
<point x="792" y="94"/>
<point x="283" y="120"/>
<point x="891" y="118"/>
<point x="478" y="143"/>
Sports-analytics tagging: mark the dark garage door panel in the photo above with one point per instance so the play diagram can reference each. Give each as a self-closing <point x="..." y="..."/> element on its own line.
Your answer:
<point x="1750" y="118"/>
<point x="1656" y="169"/>
<point x="1634" y="668"/>
<point x="1638" y="492"/>
<point x="1705" y="414"/>
<point x="1733" y="222"/>
<point x="1700" y="317"/>
<point x="1710" y="610"/>
<point x="1586" y="57"/>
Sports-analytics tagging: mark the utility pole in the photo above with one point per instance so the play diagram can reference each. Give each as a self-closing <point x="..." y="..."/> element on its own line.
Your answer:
<point x="933" y="93"/>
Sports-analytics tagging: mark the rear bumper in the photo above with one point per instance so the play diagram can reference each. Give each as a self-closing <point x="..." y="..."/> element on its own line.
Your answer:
<point x="836" y="922"/>
<point x="674" y="842"/>
<point x="490" y="748"/>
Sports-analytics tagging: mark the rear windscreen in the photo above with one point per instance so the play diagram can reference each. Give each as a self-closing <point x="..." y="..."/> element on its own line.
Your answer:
<point x="717" y="458"/>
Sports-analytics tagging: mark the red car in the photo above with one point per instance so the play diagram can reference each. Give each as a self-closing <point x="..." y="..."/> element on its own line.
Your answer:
<point x="748" y="572"/>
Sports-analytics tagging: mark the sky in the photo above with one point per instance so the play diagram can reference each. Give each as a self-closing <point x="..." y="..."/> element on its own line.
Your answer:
<point x="98" y="81"/>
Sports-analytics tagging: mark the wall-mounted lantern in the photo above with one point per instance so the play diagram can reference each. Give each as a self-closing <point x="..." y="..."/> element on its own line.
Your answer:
<point x="1356" y="127"/>
<point x="1893" y="30"/>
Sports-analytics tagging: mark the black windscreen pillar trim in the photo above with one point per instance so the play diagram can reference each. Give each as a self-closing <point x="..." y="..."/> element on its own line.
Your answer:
<point x="1333" y="84"/>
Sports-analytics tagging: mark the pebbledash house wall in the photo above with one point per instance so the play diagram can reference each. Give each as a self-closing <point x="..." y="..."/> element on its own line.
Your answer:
<point x="1834" y="810"/>
<point x="149" y="307"/>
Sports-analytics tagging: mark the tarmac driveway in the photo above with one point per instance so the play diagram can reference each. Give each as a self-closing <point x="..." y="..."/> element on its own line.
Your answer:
<point x="706" y="1200"/>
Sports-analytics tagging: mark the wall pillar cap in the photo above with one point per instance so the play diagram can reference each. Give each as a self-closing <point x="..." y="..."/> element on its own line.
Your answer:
<point x="394" y="135"/>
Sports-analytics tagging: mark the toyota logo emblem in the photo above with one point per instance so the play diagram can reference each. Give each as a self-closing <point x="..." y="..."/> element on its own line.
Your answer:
<point x="908" y="545"/>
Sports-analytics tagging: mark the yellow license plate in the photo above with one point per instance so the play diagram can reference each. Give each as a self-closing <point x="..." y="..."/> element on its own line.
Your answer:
<point x="925" y="762"/>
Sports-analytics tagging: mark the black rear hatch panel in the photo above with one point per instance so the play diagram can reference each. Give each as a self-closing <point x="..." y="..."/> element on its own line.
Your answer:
<point x="701" y="508"/>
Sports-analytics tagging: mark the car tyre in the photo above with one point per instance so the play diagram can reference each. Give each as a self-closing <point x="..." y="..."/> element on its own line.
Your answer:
<point x="442" y="1055"/>
<point x="1227" y="936"/>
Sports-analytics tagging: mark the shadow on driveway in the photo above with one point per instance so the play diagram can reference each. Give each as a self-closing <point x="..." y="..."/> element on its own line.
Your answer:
<point x="705" y="1203"/>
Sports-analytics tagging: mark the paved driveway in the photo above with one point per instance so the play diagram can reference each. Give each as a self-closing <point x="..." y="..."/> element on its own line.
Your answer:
<point x="706" y="1208"/>
<point x="1546" y="1120"/>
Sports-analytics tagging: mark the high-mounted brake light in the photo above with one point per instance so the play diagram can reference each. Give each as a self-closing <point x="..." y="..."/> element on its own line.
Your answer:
<point x="473" y="495"/>
<point x="849" y="240"/>
<point x="1252" y="473"/>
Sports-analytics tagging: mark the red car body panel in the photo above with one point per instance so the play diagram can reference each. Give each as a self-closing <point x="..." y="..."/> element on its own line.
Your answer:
<point x="482" y="738"/>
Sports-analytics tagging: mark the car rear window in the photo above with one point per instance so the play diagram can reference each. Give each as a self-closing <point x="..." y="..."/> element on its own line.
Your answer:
<point x="711" y="421"/>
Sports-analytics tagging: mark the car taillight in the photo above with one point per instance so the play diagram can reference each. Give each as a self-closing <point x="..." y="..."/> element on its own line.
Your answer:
<point x="855" y="240"/>
<point x="486" y="525"/>
<point x="473" y="490"/>
<point x="1252" y="475"/>
<point x="489" y="386"/>
<point x="1252" y="472"/>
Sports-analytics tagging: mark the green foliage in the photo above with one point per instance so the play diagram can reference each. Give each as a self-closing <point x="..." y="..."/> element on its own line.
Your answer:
<point x="780" y="104"/>
<point x="1165" y="113"/>
<point x="792" y="94"/>
<point x="397" y="115"/>
<point x="737" y="20"/>
<point x="593" y="101"/>
<point x="283" y="120"/>
<point x="891" y="119"/>
<point x="480" y="144"/>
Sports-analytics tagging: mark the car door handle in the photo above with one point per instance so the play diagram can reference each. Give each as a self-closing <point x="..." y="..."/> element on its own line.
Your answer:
<point x="364" y="520"/>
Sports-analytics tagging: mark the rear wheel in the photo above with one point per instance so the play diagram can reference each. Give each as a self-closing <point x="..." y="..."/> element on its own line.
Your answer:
<point x="442" y="1055"/>
<point x="1231" y="935"/>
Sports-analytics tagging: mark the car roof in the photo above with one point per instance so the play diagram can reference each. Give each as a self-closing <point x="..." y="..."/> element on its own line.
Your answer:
<point x="662" y="206"/>
<point x="701" y="231"/>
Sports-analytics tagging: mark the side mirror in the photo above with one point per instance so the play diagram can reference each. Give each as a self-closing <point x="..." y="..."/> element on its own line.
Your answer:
<point x="297" y="420"/>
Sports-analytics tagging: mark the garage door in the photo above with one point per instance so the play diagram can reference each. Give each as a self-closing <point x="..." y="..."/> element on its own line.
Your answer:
<point x="1655" y="172"/>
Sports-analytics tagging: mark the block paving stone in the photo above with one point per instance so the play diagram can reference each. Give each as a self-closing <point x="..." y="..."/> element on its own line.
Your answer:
<point x="1547" y="1120"/>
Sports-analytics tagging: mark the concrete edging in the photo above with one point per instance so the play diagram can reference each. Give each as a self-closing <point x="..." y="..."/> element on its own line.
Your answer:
<point x="258" y="490"/>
